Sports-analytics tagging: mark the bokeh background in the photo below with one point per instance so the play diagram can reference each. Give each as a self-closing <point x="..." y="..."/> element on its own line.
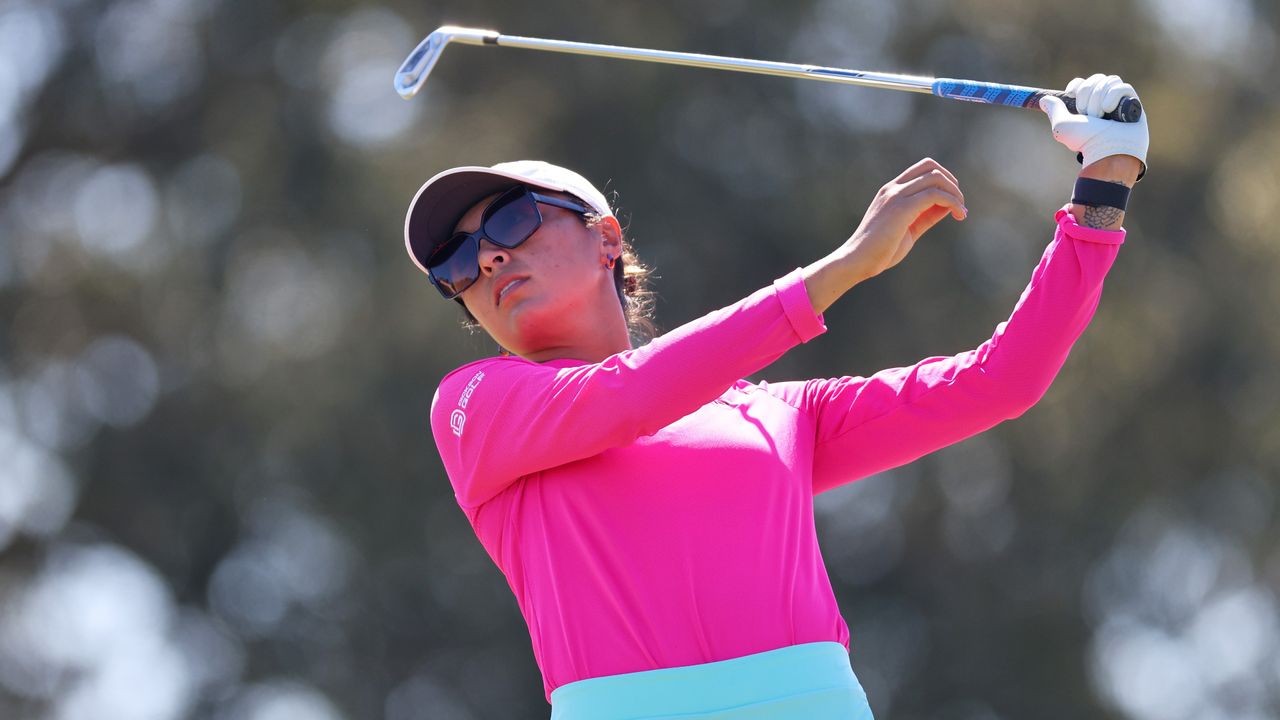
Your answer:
<point x="219" y="497"/>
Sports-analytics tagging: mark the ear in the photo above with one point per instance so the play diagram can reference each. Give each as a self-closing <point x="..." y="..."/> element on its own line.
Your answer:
<point x="610" y="237"/>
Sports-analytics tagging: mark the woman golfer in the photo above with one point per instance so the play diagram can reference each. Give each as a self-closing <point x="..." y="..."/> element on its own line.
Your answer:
<point x="651" y="510"/>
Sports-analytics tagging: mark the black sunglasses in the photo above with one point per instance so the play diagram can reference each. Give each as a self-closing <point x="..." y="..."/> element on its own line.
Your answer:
<point x="506" y="222"/>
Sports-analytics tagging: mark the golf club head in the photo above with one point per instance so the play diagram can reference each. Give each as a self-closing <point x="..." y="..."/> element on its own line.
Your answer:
<point x="413" y="72"/>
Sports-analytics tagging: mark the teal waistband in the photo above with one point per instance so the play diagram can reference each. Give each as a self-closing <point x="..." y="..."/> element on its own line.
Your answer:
<point x="812" y="680"/>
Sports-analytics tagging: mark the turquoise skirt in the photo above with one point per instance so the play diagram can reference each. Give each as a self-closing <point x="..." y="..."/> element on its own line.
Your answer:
<point x="812" y="681"/>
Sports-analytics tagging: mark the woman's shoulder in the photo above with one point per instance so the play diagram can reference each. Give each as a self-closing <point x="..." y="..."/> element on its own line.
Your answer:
<point x="508" y="366"/>
<point x="461" y="382"/>
<point x="465" y="372"/>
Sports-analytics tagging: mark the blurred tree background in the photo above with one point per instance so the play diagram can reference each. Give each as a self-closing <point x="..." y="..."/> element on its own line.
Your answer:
<point x="219" y="496"/>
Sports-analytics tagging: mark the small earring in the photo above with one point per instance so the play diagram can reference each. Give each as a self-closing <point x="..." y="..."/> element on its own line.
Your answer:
<point x="610" y="262"/>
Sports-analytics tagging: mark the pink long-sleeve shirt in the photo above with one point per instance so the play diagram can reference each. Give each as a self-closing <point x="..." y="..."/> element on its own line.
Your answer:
<point x="654" y="510"/>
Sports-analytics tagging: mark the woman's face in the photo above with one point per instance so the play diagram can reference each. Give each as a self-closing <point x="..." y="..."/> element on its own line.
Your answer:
<point x="537" y="295"/>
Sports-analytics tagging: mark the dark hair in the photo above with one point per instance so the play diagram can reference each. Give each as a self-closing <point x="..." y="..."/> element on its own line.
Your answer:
<point x="630" y="278"/>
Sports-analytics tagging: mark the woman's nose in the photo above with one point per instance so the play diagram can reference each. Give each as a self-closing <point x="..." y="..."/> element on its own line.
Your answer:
<point x="492" y="257"/>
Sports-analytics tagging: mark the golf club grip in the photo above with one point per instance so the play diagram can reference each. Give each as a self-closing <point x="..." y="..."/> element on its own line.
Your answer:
<point x="1129" y="109"/>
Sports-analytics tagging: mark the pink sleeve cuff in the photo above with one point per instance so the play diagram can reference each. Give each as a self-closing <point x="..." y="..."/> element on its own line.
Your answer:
<point x="796" y="304"/>
<point x="1067" y="223"/>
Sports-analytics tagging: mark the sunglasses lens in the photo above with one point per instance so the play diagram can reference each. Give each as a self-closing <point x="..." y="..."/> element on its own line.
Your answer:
<point x="512" y="219"/>
<point x="455" y="266"/>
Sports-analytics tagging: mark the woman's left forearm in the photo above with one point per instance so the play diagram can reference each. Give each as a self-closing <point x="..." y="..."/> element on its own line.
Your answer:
<point x="1120" y="169"/>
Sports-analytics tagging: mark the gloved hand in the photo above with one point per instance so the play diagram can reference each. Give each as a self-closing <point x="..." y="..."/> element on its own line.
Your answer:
<point x="1087" y="133"/>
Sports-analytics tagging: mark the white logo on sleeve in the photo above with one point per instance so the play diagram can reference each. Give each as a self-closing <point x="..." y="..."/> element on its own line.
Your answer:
<point x="459" y="418"/>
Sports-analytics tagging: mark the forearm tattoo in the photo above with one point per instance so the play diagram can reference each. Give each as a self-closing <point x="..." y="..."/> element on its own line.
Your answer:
<point x="1102" y="217"/>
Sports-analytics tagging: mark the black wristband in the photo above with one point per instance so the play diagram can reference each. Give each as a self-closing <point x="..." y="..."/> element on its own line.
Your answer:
<point x="1100" y="192"/>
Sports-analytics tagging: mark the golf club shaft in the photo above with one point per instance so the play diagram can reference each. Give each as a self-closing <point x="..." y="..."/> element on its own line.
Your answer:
<point x="415" y="68"/>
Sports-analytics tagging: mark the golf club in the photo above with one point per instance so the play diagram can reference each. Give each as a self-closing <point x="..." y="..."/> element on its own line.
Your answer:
<point x="417" y="66"/>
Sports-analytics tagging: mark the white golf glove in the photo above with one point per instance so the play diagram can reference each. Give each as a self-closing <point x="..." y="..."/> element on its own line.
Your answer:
<point x="1087" y="133"/>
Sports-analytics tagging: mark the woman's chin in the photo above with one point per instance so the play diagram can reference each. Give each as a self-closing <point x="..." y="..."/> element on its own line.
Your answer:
<point x="529" y="320"/>
<point x="535" y="323"/>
